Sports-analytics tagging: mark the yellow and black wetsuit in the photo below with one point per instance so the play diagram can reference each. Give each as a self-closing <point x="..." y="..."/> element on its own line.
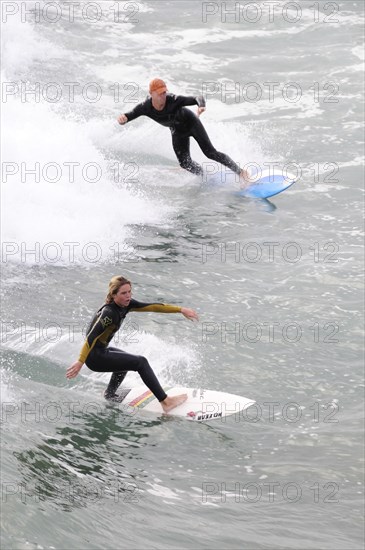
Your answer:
<point x="99" y="357"/>
<point x="183" y="123"/>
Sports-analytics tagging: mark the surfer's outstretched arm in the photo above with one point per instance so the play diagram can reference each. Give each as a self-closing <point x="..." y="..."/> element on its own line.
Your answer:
<point x="155" y="307"/>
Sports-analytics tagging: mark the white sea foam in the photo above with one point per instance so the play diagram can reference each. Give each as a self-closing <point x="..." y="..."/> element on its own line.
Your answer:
<point x="73" y="208"/>
<point x="358" y="51"/>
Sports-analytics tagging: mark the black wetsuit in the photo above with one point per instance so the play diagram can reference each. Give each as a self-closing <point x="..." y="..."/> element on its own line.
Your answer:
<point x="99" y="357"/>
<point x="183" y="123"/>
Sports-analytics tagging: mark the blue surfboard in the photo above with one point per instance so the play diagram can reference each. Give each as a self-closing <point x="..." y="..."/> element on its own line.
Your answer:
<point x="267" y="185"/>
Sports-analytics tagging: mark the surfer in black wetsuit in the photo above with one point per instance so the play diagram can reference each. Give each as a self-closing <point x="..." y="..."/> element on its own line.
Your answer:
<point x="169" y="110"/>
<point x="100" y="357"/>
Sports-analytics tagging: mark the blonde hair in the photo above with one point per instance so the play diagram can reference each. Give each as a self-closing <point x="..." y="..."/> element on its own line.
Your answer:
<point x="114" y="285"/>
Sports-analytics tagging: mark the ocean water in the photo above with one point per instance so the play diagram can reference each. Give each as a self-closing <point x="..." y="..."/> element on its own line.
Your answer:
<point x="278" y="284"/>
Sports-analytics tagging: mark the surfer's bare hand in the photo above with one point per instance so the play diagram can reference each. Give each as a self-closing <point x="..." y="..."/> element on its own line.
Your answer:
<point x="189" y="314"/>
<point x="74" y="369"/>
<point x="122" y="119"/>
<point x="201" y="110"/>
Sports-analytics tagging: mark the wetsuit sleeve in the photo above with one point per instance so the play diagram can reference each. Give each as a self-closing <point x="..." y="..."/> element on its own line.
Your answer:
<point x="102" y="322"/>
<point x="156" y="307"/>
<point x="138" y="111"/>
<point x="184" y="101"/>
<point x="201" y="101"/>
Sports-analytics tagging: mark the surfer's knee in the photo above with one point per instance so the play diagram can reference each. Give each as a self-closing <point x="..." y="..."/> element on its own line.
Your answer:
<point x="212" y="154"/>
<point x="143" y="364"/>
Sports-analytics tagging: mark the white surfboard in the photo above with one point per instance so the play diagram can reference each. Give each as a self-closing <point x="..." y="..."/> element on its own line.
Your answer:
<point x="201" y="405"/>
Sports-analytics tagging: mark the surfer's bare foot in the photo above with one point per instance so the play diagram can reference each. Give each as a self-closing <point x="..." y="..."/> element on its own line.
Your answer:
<point x="171" y="402"/>
<point x="245" y="180"/>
